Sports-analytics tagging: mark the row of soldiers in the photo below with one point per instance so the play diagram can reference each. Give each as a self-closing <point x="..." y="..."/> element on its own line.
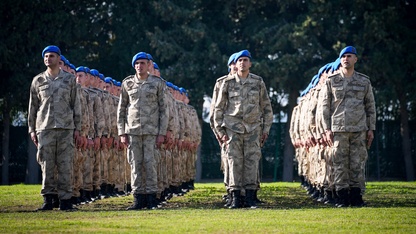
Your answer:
<point x="100" y="166"/>
<point x="325" y="165"/>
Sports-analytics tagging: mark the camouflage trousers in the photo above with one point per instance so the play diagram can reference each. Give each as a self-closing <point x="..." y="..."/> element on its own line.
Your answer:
<point x="224" y="167"/>
<point x="243" y="153"/>
<point x="349" y="158"/>
<point x="96" y="173"/>
<point x="121" y="166"/>
<point x="78" y="172"/>
<point x="104" y="168"/>
<point x="169" y="166"/>
<point x="56" y="151"/>
<point x="161" y="171"/>
<point x="329" y="171"/>
<point x="176" y="162"/>
<point x="88" y="170"/>
<point x="142" y="158"/>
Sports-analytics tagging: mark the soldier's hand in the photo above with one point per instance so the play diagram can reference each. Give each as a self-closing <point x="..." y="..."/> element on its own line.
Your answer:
<point x="370" y="138"/>
<point x="90" y="143"/>
<point x="110" y="142"/>
<point x="263" y="139"/>
<point x="160" y="139"/>
<point x="77" y="139"/>
<point x="96" y="143"/>
<point x="124" y="140"/>
<point x="329" y="137"/>
<point x="34" y="138"/>
<point x="224" y="139"/>
<point x="104" y="142"/>
<point x="84" y="142"/>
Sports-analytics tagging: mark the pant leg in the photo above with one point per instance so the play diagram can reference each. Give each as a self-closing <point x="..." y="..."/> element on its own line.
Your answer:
<point x="358" y="158"/>
<point x="150" y="163"/>
<point x="252" y="155"/>
<point x="46" y="157"/>
<point x="235" y="158"/>
<point x="341" y="160"/>
<point x="135" y="158"/>
<point x="64" y="162"/>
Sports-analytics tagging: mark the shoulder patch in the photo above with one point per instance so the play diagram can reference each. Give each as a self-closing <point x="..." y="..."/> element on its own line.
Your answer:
<point x="254" y="76"/>
<point x="363" y="75"/>
<point x="333" y="76"/>
<point x="221" y="78"/>
<point x="128" y="77"/>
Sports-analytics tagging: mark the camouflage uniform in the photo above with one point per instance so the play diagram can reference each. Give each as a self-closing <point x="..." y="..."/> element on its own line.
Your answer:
<point x="241" y="110"/>
<point x="349" y="111"/>
<point x="54" y="112"/>
<point x="224" y="161"/>
<point x="142" y="115"/>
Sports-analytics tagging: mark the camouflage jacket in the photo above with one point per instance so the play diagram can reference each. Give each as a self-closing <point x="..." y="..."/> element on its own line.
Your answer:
<point x="348" y="104"/>
<point x="242" y="107"/>
<point x="54" y="103"/>
<point x="142" y="109"/>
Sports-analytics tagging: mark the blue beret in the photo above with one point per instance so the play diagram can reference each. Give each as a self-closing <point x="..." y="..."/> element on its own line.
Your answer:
<point x="87" y="70"/>
<point x="101" y="76"/>
<point x="315" y="81"/>
<point x="328" y="67"/>
<point x="81" y="69"/>
<point x="336" y="64"/>
<point x="51" y="48"/>
<point x="108" y="80"/>
<point x="169" y="84"/>
<point x="156" y="66"/>
<point x="140" y="55"/>
<point x="243" y="53"/>
<point x="94" y="72"/>
<point x="348" y="50"/>
<point x="118" y="83"/>
<point x="149" y="56"/>
<point x="182" y="90"/>
<point x="72" y="66"/>
<point x="231" y="59"/>
<point x="64" y="59"/>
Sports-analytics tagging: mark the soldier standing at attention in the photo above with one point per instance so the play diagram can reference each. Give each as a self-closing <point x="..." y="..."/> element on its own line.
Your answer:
<point x="349" y="119"/>
<point x="142" y="120"/>
<point x="242" y="117"/>
<point x="54" y="119"/>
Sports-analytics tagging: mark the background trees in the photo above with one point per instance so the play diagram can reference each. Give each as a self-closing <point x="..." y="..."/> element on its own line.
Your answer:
<point x="192" y="40"/>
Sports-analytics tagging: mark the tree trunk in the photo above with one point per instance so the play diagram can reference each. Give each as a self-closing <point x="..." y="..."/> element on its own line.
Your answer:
<point x="404" y="132"/>
<point x="5" y="142"/>
<point x="289" y="150"/>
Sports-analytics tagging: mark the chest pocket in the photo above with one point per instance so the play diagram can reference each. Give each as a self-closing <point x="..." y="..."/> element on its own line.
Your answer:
<point x="64" y="92"/>
<point x="359" y="92"/>
<point x="44" y="91"/>
<point x="234" y="96"/>
<point x="253" y="96"/>
<point x="339" y="92"/>
<point x="133" y="94"/>
<point x="150" y="94"/>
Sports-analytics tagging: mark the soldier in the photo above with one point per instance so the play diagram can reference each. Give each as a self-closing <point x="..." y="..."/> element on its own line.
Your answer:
<point x="349" y="121"/>
<point x="54" y="119"/>
<point x="224" y="162"/>
<point x="243" y="116"/>
<point x="142" y="119"/>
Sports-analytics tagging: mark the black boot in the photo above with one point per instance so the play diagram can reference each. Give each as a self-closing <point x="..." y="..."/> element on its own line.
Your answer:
<point x="236" y="199"/>
<point x="66" y="205"/>
<point x="47" y="203"/>
<point x="110" y="190"/>
<point x="151" y="201"/>
<point x="343" y="198"/>
<point x="329" y="198"/>
<point x="356" y="198"/>
<point x="191" y="184"/>
<point x="249" y="199"/>
<point x="104" y="192"/>
<point x="55" y="200"/>
<point x="138" y="202"/>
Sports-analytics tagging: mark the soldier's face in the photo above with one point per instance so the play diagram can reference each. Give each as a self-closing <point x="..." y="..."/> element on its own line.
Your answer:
<point x="243" y="64"/>
<point x="141" y="66"/>
<point x="51" y="59"/>
<point x="348" y="60"/>
<point x="233" y="68"/>
<point x="81" y="77"/>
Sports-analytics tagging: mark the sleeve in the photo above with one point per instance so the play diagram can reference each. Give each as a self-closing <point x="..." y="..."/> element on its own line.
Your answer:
<point x="266" y="107"/>
<point x="76" y="105"/>
<point x="220" y="105"/>
<point x="326" y="105"/>
<point x="370" y="109"/>
<point x="121" y="110"/>
<point x="33" y="108"/>
<point x="163" y="110"/>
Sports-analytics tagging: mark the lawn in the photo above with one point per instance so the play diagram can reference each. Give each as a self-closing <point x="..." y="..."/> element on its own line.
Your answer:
<point x="287" y="209"/>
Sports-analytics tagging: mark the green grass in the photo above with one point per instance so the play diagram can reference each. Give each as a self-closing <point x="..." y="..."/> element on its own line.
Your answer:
<point x="287" y="209"/>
